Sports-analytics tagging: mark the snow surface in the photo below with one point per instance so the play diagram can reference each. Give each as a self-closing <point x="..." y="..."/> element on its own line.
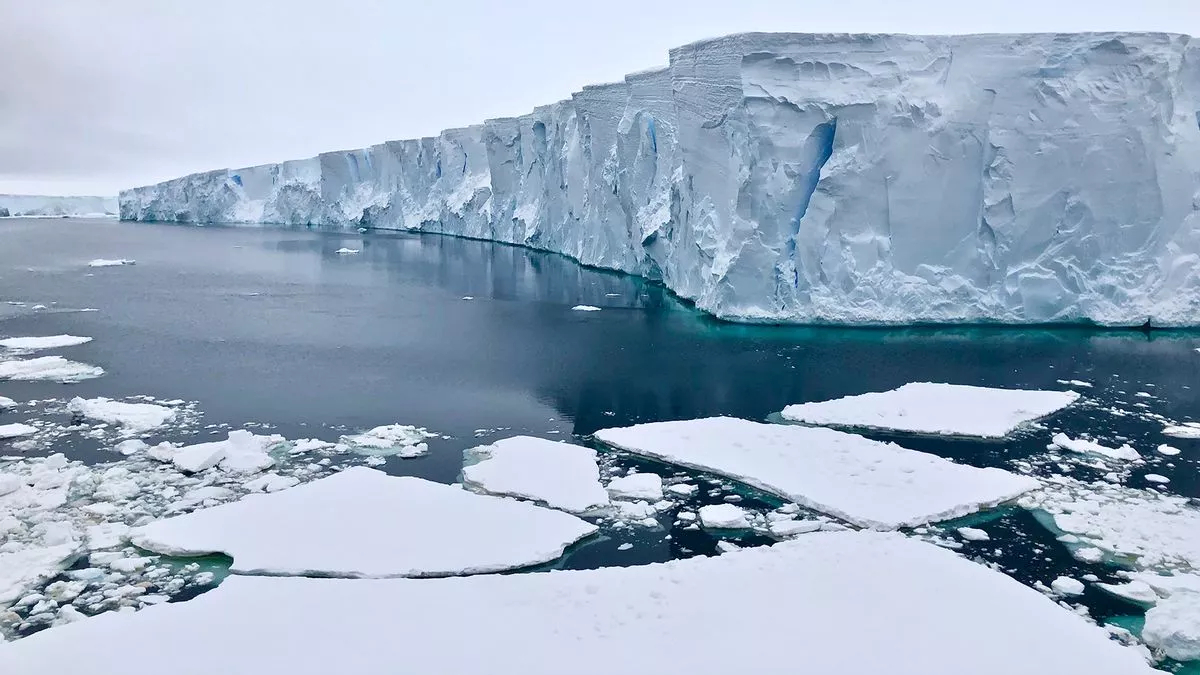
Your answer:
<point x="54" y="368"/>
<point x="812" y="178"/>
<point x="110" y="262"/>
<point x="364" y="523"/>
<point x="1085" y="447"/>
<point x="897" y="591"/>
<point x="935" y="408"/>
<point x="559" y="475"/>
<point x="648" y="486"/>
<point x="865" y="482"/>
<point x="723" y="517"/>
<point x="16" y="429"/>
<point x="45" y="205"/>
<point x="133" y="418"/>
<point x="47" y="342"/>
<point x="1173" y="626"/>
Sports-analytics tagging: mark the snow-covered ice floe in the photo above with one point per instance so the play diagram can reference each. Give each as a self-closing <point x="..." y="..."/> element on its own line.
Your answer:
<point x="133" y="418"/>
<point x="54" y="368"/>
<point x="6" y="402"/>
<point x="364" y="523"/>
<point x="1086" y="447"/>
<point x="553" y="473"/>
<point x="110" y="262"/>
<point x="864" y="482"/>
<point x="400" y="440"/>
<point x="872" y="602"/>
<point x="346" y="251"/>
<point x="1185" y="430"/>
<point x="46" y="342"/>
<point x="16" y="430"/>
<point x="242" y="452"/>
<point x="586" y="308"/>
<point x="935" y="408"/>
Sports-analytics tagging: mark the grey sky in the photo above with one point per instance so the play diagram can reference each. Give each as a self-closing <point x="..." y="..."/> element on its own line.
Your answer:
<point x="99" y="95"/>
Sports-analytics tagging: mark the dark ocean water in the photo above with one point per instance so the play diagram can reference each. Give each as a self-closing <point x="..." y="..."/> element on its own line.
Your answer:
<point x="273" y="326"/>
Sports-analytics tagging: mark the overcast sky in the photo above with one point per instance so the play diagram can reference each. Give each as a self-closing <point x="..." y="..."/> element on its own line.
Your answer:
<point x="99" y="95"/>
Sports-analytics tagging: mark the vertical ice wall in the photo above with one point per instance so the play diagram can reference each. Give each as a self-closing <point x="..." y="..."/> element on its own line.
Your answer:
<point x="814" y="178"/>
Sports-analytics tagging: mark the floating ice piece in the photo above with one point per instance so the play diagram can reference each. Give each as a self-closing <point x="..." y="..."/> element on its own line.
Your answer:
<point x="1156" y="530"/>
<point x="21" y="569"/>
<point x="1167" y="450"/>
<point x="973" y="534"/>
<point x="364" y="523"/>
<point x="648" y="486"/>
<point x="400" y="440"/>
<point x="1076" y="383"/>
<point x="111" y="262"/>
<point x="1067" y="586"/>
<point x="865" y="482"/>
<point x="54" y="368"/>
<point x="48" y="342"/>
<point x="346" y="251"/>
<point x="723" y="517"/>
<point x="1185" y="430"/>
<point x="1086" y="447"/>
<point x="6" y="402"/>
<point x="242" y="451"/>
<point x="271" y="482"/>
<point x="556" y="474"/>
<point x="934" y="408"/>
<point x="1138" y="592"/>
<point x="1173" y="626"/>
<point x="682" y="489"/>
<point x="792" y="528"/>
<point x="134" y="418"/>
<point x="585" y="308"/>
<point x="1157" y="478"/>
<point x="851" y="584"/>
<point x="16" y="430"/>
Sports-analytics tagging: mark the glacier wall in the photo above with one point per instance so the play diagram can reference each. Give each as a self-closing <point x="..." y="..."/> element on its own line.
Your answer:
<point x="856" y="179"/>
<point x="44" y="206"/>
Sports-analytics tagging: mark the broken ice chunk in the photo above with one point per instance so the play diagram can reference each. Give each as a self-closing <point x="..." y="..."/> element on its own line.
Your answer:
<point x="557" y="474"/>
<point x="648" y="486"/>
<point x="723" y="517"/>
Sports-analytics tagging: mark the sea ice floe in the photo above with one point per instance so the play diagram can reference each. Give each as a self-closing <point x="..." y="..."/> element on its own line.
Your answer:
<point x="1185" y="430"/>
<point x="973" y="534"/>
<point x="400" y="440"/>
<point x="852" y="584"/>
<point x="1145" y="528"/>
<point x="364" y="523"/>
<point x="585" y="308"/>
<point x="723" y="517"/>
<point x="1086" y="447"/>
<point x="110" y="262"/>
<point x="346" y="251"/>
<point x="648" y="486"/>
<point x="1167" y="450"/>
<point x="133" y="418"/>
<point x="242" y="451"/>
<point x="1067" y="586"/>
<point x="935" y="408"/>
<point x="47" y="342"/>
<point x="6" y="402"/>
<point x="553" y="473"/>
<point x="865" y="482"/>
<point x="54" y="368"/>
<point x="1173" y="626"/>
<point x="16" y="430"/>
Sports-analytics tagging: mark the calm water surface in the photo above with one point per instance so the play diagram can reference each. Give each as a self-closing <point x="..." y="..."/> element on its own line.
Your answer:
<point x="273" y="326"/>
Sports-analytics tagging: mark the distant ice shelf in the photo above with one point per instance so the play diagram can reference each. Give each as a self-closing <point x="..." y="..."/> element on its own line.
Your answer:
<point x="43" y="206"/>
<point x="800" y="178"/>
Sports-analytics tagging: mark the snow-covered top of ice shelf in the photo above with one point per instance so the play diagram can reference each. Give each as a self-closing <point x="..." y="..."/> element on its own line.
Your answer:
<point x="813" y="178"/>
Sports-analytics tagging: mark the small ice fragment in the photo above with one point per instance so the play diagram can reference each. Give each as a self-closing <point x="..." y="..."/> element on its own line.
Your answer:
<point x="791" y="528"/>
<point x="1167" y="450"/>
<point x="133" y="418"/>
<point x="16" y="430"/>
<point x="625" y="547"/>
<point x="646" y="486"/>
<point x="585" y="308"/>
<point x="1082" y="446"/>
<point x="973" y="534"/>
<point x="1157" y="478"/>
<point x="1067" y="586"/>
<point x="393" y="439"/>
<point x="682" y="489"/>
<point x="1185" y="430"/>
<point x="110" y="262"/>
<point x="6" y="402"/>
<point x="1135" y="591"/>
<point x="48" y="342"/>
<point x="723" y="517"/>
<point x="54" y="368"/>
<point x="346" y="251"/>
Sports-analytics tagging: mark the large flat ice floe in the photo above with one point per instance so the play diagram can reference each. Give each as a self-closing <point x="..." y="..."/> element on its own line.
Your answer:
<point x="557" y="474"/>
<point x="812" y="178"/>
<point x="364" y="523"/>
<point x="133" y="418"/>
<point x="865" y="482"/>
<point x="872" y="603"/>
<point x="935" y="408"/>
<point x="47" y="342"/>
<point x="54" y="368"/>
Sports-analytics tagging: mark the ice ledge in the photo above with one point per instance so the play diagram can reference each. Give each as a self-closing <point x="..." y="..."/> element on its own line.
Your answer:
<point x="829" y="178"/>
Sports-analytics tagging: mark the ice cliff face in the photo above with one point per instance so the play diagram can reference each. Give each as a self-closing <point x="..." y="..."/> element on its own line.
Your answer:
<point x="40" y="206"/>
<point x="864" y="179"/>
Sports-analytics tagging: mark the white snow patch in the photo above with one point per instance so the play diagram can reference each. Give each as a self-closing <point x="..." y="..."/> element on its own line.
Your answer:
<point x="133" y="418"/>
<point x="1157" y="478"/>
<point x="54" y="368"/>
<point x="364" y="523"/>
<point x="1083" y="446"/>
<point x="865" y="482"/>
<point x="898" y="591"/>
<point x="935" y="408"/>
<point x="557" y="474"/>
<point x="648" y="486"/>
<point x="48" y="342"/>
